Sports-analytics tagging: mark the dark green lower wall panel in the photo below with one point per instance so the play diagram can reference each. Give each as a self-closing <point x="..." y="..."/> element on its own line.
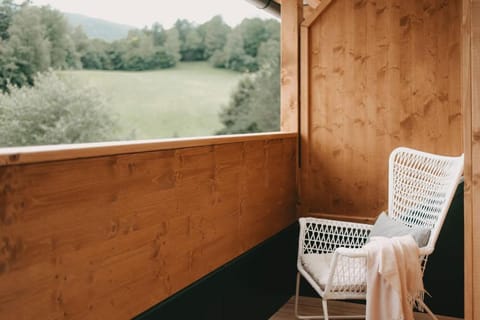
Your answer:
<point x="252" y="286"/>
<point x="444" y="275"/>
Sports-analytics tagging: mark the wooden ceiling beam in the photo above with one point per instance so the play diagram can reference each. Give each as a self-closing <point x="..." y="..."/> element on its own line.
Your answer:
<point x="313" y="3"/>
<point x="316" y="13"/>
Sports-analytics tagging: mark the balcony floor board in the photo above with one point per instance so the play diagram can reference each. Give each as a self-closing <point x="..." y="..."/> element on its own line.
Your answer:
<point x="309" y="306"/>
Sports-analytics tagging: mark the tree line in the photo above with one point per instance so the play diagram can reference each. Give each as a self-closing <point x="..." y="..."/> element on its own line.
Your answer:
<point x="36" y="39"/>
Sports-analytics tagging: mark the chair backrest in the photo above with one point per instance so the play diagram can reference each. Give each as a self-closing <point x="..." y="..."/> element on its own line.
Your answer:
<point x="421" y="188"/>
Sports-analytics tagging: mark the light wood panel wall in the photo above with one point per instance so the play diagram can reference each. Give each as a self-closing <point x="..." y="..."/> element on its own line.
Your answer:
<point x="110" y="236"/>
<point x="471" y="104"/>
<point x="381" y="74"/>
<point x="290" y="50"/>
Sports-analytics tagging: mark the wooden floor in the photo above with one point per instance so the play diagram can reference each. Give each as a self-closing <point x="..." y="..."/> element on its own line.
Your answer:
<point x="309" y="306"/>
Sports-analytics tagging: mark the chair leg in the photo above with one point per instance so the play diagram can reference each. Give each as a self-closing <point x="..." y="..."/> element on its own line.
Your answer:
<point x="426" y="308"/>
<point x="297" y="293"/>
<point x="297" y="289"/>
<point x="325" y="309"/>
<point x="324" y="305"/>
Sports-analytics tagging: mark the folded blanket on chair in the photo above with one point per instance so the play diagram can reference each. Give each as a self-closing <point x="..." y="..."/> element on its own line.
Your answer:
<point x="394" y="278"/>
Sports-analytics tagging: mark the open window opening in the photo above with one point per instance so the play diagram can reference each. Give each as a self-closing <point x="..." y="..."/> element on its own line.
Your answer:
<point x="89" y="71"/>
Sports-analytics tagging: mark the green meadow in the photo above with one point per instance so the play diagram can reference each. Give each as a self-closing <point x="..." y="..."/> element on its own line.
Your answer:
<point x="180" y="102"/>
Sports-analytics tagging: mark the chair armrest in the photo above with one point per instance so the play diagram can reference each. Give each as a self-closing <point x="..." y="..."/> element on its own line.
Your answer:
<point x="324" y="235"/>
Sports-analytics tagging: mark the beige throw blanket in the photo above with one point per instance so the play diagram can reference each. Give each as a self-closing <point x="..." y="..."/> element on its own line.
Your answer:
<point x="394" y="278"/>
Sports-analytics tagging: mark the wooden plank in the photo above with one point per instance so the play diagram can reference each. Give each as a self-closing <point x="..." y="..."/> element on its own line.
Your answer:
<point x="466" y="95"/>
<point x="304" y="124"/>
<point x="313" y="306"/>
<point x="313" y="3"/>
<point x="20" y="155"/>
<point x="342" y="217"/>
<point x="475" y="153"/>
<point x="81" y="237"/>
<point x="291" y="14"/>
<point x="317" y="12"/>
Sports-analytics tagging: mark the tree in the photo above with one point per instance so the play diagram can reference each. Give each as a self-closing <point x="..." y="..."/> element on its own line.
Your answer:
<point x="193" y="47"/>
<point x="235" y="55"/>
<point x="255" y="104"/>
<point x="28" y="40"/>
<point x="214" y="33"/>
<point x="235" y="116"/>
<point x="158" y="34"/>
<point x="191" y="44"/>
<point x="243" y="43"/>
<point x="138" y="50"/>
<point x="253" y="33"/>
<point x="56" y="110"/>
<point x="7" y="9"/>
<point x="172" y="45"/>
<point x="57" y="31"/>
<point x="33" y="40"/>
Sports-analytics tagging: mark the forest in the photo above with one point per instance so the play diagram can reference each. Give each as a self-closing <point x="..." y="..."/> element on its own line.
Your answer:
<point x="36" y="41"/>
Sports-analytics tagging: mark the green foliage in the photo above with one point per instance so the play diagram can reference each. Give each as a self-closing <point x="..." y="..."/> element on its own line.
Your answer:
<point x="215" y="33"/>
<point x="255" y="104"/>
<point x="33" y="40"/>
<point x="146" y="49"/>
<point x="7" y="8"/>
<point x="28" y="39"/>
<point x="191" y="43"/>
<point x="61" y="46"/>
<point x="243" y="43"/>
<point x="235" y="116"/>
<point x="56" y="110"/>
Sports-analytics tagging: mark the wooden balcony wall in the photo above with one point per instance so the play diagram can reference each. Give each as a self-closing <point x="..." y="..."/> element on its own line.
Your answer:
<point x="471" y="104"/>
<point x="107" y="232"/>
<point x="375" y="75"/>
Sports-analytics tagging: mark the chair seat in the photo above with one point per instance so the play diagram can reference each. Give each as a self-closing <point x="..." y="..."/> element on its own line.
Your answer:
<point x="318" y="266"/>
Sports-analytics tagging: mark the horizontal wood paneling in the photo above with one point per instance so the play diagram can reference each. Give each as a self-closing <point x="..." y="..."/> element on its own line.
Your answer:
<point x="108" y="237"/>
<point x="382" y="74"/>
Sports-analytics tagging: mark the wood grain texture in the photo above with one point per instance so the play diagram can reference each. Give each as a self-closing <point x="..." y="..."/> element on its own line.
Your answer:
<point x="466" y="87"/>
<point x="317" y="11"/>
<point x="302" y="173"/>
<point x="313" y="306"/>
<point x="382" y="74"/>
<point x="313" y="3"/>
<point x="108" y="237"/>
<point x="20" y="155"/>
<point x="291" y="15"/>
<point x="471" y="100"/>
<point x="342" y="217"/>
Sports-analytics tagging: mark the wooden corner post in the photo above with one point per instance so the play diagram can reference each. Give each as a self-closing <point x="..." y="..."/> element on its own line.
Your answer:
<point x="471" y="108"/>
<point x="290" y="52"/>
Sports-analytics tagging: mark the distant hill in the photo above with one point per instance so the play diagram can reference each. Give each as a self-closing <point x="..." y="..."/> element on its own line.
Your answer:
<point x="98" y="28"/>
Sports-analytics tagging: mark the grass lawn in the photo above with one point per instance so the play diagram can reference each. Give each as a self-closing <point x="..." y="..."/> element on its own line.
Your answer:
<point x="180" y="102"/>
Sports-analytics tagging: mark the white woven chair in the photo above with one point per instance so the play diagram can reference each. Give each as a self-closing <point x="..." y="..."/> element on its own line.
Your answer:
<point x="330" y="254"/>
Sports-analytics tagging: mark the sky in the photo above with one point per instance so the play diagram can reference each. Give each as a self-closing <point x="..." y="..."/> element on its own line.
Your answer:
<point x="141" y="13"/>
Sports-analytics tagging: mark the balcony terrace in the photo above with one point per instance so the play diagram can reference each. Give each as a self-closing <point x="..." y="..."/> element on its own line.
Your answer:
<point x="206" y="227"/>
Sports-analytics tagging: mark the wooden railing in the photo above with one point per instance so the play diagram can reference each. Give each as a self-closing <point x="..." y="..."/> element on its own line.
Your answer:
<point x="105" y="231"/>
